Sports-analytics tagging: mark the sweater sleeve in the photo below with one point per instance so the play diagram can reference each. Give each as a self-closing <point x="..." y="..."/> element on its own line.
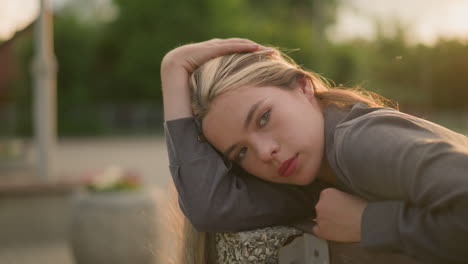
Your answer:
<point x="216" y="198"/>
<point x="415" y="175"/>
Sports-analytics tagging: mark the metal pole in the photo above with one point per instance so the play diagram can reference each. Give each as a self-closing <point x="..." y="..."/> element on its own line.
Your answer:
<point x="44" y="110"/>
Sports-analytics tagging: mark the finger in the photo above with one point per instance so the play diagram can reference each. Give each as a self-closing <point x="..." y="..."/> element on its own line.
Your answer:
<point x="206" y="52"/>
<point x="213" y="40"/>
<point x="237" y="40"/>
<point x="222" y="49"/>
<point x="243" y="40"/>
<point x="240" y="40"/>
<point x="316" y="231"/>
<point x="229" y="40"/>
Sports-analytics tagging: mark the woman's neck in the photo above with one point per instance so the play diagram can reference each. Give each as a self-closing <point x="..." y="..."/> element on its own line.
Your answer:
<point x="326" y="174"/>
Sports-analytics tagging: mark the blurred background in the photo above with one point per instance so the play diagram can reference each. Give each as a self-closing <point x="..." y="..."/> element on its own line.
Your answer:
<point x="109" y="53"/>
<point x="108" y="95"/>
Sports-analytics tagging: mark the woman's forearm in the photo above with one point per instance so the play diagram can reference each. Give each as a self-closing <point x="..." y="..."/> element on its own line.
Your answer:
<point x="175" y="90"/>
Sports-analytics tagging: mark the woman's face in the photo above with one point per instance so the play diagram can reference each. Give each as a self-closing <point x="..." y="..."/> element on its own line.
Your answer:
<point x="273" y="133"/>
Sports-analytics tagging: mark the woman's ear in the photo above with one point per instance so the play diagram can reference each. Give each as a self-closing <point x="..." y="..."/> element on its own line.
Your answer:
<point x="305" y="85"/>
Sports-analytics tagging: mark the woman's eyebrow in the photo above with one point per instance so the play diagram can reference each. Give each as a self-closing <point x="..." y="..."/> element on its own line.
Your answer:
<point x="247" y="121"/>
<point x="229" y="150"/>
<point x="251" y="113"/>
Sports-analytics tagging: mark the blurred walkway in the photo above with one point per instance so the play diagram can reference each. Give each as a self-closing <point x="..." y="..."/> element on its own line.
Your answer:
<point x="49" y="253"/>
<point x="73" y="158"/>
<point x="146" y="155"/>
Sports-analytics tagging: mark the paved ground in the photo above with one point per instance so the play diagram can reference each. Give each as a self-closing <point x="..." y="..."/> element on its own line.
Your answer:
<point x="48" y="253"/>
<point x="73" y="158"/>
<point x="146" y="155"/>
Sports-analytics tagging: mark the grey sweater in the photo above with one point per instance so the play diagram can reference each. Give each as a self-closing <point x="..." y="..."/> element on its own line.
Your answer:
<point x="413" y="173"/>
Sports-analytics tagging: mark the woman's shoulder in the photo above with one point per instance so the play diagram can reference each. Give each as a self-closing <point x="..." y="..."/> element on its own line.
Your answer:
<point x="338" y="118"/>
<point x="361" y="111"/>
<point x="380" y="123"/>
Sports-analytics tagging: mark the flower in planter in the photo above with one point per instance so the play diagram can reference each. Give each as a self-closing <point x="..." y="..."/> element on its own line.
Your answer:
<point x="112" y="179"/>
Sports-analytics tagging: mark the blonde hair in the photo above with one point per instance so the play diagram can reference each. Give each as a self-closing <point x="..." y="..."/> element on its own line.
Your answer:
<point x="267" y="67"/>
<point x="190" y="245"/>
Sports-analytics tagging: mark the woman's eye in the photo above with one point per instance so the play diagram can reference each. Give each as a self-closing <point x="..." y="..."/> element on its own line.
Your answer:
<point x="264" y="118"/>
<point x="240" y="156"/>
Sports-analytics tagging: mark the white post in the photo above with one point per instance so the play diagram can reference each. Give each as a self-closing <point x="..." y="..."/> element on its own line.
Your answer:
<point x="44" y="110"/>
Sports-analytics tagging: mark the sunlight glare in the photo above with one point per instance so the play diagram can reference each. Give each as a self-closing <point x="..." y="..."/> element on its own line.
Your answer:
<point x="15" y="15"/>
<point x="457" y="20"/>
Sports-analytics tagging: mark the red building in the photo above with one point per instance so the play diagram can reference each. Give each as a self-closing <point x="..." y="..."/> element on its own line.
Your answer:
<point x="10" y="64"/>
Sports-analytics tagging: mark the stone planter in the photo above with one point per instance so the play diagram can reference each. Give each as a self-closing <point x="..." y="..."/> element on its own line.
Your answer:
<point x="114" y="227"/>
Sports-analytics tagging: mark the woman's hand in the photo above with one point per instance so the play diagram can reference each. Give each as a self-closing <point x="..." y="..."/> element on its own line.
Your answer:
<point x="339" y="216"/>
<point x="178" y="65"/>
<point x="191" y="56"/>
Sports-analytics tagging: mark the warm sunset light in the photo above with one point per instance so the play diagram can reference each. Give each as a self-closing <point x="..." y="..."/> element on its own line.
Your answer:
<point x="427" y="20"/>
<point x="15" y="15"/>
<point x="456" y="19"/>
<point x="191" y="131"/>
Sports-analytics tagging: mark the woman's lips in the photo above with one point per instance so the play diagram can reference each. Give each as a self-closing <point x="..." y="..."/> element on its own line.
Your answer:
<point x="288" y="167"/>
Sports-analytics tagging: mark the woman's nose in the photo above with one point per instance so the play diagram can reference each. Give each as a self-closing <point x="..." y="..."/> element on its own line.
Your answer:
<point x="267" y="150"/>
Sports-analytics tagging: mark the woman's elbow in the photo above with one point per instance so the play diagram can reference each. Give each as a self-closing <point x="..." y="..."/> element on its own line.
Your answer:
<point x="207" y="222"/>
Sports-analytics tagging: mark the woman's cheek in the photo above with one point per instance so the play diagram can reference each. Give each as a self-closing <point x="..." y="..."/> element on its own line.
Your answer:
<point x="255" y="171"/>
<point x="248" y="167"/>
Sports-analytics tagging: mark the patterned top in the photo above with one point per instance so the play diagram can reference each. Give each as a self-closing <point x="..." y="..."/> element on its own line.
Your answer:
<point x="258" y="246"/>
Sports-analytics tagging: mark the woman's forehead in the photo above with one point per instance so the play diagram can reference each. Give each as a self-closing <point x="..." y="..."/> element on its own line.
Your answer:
<point x="246" y="94"/>
<point x="228" y="113"/>
<point x="234" y="106"/>
<point x="229" y="108"/>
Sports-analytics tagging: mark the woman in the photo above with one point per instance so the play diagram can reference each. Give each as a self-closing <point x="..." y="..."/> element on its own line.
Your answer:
<point x="400" y="183"/>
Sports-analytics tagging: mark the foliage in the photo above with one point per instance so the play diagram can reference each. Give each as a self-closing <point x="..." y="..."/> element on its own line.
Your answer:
<point x="117" y="62"/>
<point x="112" y="179"/>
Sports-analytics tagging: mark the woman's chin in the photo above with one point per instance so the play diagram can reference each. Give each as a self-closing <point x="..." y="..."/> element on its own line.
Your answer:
<point x="303" y="180"/>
